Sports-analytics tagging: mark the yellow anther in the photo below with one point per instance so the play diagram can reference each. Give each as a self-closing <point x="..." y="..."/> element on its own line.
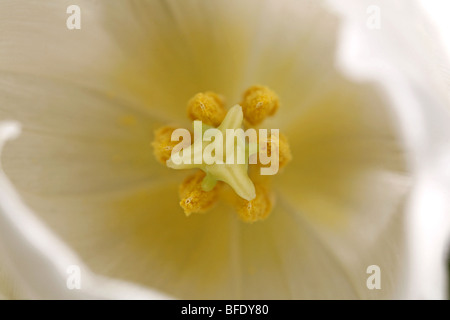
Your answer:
<point x="258" y="103"/>
<point x="280" y="145"/>
<point x="162" y="144"/>
<point x="207" y="107"/>
<point x="193" y="198"/>
<point x="257" y="209"/>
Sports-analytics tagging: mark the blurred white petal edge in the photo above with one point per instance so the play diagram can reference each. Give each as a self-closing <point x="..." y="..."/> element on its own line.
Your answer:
<point x="38" y="260"/>
<point x="362" y="55"/>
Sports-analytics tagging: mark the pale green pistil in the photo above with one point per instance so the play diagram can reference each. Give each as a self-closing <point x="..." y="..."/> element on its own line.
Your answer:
<point x="235" y="175"/>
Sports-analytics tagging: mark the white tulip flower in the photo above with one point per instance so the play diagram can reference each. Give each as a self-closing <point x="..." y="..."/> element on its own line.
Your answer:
<point x="358" y="209"/>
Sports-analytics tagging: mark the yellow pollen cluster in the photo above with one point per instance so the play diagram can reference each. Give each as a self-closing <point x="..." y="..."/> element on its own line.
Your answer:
<point x="193" y="198"/>
<point x="281" y="146"/>
<point x="257" y="209"/>
<point x="207" y="107"/>
<point x="162" y="144"/>
<point x="251" y="198"/>
<point x="258" y="103"/>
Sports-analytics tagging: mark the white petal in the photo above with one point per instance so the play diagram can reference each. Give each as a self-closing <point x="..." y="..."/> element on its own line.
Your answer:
<point x="349" y="181"/>
<point x="39" y="260"/>
<point x="405" y="59"/>
<point x="75" y="140"/>
<point x="36" y="41"/>
<point x="429" y="238"/>
<point x="408" y="62"/>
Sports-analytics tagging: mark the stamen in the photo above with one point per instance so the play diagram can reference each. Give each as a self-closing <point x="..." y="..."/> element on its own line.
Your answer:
<point x="252" y="198"/>
<point x="257" y="209"/>
<point x="281" y="146"/>
<point x="207" y="107"/>
<point x="162" y="144"/>
<point x="193" y="198"/>
<point x="258" y="103"/>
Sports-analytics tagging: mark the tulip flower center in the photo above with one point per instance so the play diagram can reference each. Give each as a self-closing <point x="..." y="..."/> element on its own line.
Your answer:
<point x="224" y="155"/>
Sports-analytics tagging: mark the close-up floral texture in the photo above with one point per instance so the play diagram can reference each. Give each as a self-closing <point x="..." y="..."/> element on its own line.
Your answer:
<point x="359" y="91"/>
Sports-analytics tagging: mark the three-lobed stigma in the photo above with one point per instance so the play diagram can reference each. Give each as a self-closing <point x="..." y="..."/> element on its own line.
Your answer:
<point x="235" y="175"/>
